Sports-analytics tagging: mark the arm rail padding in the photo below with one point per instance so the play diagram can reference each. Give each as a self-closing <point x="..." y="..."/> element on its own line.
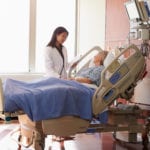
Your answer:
<point x="1" y="97"/>
<point x="97" y="48"/>
<point x="125" y="82"/>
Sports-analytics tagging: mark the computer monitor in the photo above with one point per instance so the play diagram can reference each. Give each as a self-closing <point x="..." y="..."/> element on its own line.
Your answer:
<point x="133" y="10"/>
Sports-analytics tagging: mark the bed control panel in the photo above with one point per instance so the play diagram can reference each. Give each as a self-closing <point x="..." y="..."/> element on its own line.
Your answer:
<point x="123" y="70"/>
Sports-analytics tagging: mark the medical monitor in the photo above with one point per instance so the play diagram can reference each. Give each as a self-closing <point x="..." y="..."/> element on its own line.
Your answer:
<point x="133" y="10"/>
<point x="147" y="6"/>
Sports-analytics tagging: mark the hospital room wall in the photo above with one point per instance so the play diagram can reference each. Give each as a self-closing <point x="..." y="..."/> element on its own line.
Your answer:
<point x="117" y="24"/>
<point x="91" y="24"/>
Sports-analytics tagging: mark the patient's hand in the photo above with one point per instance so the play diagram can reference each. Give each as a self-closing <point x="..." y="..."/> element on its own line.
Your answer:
<point x="81" y="79"/>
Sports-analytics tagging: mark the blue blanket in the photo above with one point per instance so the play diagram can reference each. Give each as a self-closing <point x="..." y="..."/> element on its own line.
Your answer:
<point x="48" y="98"/>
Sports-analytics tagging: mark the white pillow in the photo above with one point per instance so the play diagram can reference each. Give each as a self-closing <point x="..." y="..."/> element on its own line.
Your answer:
<point x="109" y="58"/>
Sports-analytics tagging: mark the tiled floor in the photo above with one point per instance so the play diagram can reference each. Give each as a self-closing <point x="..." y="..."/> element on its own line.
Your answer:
<point x="96" y="141"/>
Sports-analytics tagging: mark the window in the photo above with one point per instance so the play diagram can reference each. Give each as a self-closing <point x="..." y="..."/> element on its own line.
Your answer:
<point x="14" y="35"/>
<point x="26" y="28"/>
<point x="51" y="14"/>
<point x="91" y="24"/>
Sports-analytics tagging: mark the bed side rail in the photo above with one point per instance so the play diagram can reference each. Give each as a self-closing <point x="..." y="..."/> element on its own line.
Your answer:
<point x="79" y="59"/>
<point x="119" y="79"/>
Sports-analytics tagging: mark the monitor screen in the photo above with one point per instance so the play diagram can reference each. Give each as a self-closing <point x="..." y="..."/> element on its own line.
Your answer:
<point x="132" y="10"/>
<point x="147" y="6"/>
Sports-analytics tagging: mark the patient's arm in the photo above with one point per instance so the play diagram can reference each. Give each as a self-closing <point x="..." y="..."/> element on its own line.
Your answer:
<point x="82" y="80"/>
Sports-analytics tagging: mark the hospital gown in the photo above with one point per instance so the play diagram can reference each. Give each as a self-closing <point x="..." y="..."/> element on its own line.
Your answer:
<point x="93" y="73"/>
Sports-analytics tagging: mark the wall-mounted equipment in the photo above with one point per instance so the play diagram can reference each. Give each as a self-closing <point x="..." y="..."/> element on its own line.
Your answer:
<point x="139" y="16"/>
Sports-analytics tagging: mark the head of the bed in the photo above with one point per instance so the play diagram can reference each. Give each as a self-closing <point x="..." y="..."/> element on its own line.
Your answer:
<point x="83" y="61"/>
<point x="119" y="78"/>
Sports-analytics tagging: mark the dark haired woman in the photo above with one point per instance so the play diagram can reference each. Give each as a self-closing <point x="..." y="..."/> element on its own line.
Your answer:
<point x="56" y="60"/>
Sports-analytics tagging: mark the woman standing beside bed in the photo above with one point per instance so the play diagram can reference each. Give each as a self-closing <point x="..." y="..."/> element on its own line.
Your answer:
<point x="56" y="60"/>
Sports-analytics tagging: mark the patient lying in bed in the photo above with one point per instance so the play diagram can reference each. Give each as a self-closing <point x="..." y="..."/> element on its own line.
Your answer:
<point x="92" y="74"/>
<point x="51" y="97"/>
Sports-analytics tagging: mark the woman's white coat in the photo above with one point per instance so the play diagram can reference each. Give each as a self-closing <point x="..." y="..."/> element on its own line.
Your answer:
<point x="54" y="62"/>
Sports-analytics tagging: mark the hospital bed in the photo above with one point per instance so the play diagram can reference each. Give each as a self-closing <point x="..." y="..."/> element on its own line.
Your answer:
<point x="118" y="79"/>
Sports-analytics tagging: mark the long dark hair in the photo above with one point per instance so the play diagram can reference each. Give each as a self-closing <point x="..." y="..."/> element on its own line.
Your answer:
<point x="56" y="32"/>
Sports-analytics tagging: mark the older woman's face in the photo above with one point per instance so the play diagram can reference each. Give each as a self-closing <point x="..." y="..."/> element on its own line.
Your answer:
<point x="98" y="59"/>
<point x="61" y="38"/>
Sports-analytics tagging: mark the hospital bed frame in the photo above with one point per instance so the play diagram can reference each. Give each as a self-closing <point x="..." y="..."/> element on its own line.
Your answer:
<point x="117" y="80"/>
